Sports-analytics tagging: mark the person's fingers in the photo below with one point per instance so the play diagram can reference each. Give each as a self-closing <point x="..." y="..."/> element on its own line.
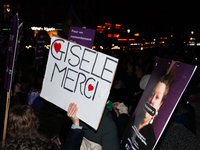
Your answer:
<point x="70" y="106"/>
<point x="115" y="104"/>
<point x="117" y="112"/>
<point x="70" y="109"/>
<point x="74" y="109"/>
<point x="115" y="109"/>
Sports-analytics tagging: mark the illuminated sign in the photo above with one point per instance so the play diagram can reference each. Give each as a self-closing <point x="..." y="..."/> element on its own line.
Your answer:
<point x="45" y="28"/>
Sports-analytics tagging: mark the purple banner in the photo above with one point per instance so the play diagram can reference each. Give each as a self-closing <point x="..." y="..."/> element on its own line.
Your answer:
<point x="39" y="52"/>
<point x="162" y="93"/>
<point x="12" y="44"/>
<point x="82" y="36"/>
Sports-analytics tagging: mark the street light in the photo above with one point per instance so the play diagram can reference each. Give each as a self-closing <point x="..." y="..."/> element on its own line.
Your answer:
<point x="128" y="30"/>
<point x="8" y="9"/>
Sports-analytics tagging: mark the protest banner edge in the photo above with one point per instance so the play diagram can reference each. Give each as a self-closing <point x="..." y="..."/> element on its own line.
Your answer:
<point x="8" y="93"/>
<point x="164" y="127"/>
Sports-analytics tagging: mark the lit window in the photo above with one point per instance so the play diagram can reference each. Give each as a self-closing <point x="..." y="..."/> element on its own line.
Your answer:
<point x="136" y="34"/>
<point x="122" y="39"/>
<point x="115" y="47"/>
<point x="109" y="35"/>
<point x="108" y="24"/>
<point x="118" y="25"/>
<point x="100" y="30"/>
<point x="163" y="38"/>
<point x="161" y="42"/>
<point x="191" y="42"/>
<point x="6" y="11"/>
<point x="116" y="35"/>
<point x="135" y="44"/>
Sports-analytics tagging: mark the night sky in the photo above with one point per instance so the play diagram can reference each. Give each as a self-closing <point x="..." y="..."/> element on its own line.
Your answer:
<point x="152" y="18"/>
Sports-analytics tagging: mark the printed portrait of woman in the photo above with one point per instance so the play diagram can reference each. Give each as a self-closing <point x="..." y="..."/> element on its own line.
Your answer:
<point x="142" y="135"/>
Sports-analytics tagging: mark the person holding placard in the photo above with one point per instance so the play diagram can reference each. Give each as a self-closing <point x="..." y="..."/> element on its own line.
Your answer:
<point x="142" y="135"/>
<point x="106" y="135"/>
<point x="22" y="131"/>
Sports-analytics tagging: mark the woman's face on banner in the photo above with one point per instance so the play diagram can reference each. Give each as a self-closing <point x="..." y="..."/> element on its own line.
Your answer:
<point x="155" y="98"/>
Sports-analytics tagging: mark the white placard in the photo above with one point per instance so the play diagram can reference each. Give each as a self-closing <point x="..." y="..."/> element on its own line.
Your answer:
<point x="75" y="73"/>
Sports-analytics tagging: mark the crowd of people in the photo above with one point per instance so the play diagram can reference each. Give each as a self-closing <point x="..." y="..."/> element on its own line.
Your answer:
<point x="35" y="123"/>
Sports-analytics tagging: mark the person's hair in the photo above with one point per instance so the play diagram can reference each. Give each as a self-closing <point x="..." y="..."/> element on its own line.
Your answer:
<point x="32" y="142"/>
<point x="167" y="79"/>
<point x="22" y="121"/>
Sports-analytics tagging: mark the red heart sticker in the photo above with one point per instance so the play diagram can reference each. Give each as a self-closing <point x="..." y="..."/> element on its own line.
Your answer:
<point x="90" y="87"/>
<point x="57" y="47"/>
